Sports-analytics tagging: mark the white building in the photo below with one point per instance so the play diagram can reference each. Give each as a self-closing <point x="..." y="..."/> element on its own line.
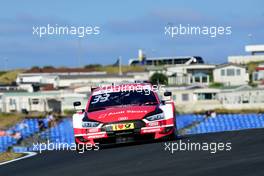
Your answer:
<point x="25" y="79"/>
<point x="185" y="74"/>
<point x="139" y="76"/>
<point x="70" y="80"/>
<point x="190" y="74"/>
<point x="1" y="102"/>
<point x="63" y="80"/>
<point x="196" y="98"/>
<point x="258" y="75"/>
<point x="243" y="97"/>
<point x="45" y="101"/>
<point x="231" y="74"/>
<point x="254" y="57"/>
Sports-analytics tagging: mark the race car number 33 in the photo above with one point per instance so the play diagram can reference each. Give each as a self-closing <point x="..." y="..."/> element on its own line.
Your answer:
<point x="125" y="126"/>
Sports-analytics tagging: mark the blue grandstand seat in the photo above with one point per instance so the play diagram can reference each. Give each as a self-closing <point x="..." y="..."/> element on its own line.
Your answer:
<point x="227" y="122"/>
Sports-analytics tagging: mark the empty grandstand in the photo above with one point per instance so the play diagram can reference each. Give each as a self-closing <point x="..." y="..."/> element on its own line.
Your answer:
<point x="228" y="122"/>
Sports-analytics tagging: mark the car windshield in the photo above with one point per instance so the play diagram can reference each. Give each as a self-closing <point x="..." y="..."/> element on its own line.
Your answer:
<point x="102" y="101"/>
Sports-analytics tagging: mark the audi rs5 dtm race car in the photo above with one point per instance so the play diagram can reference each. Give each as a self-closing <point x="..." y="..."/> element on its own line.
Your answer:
<point x="124" y="113"/>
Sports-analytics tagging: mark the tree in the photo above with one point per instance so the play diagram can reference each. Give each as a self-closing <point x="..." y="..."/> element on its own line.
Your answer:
<point x="35" y="68"/>
<point x="159" y="78"/>
<point x="93" y="66"/>
<point x="48" y="67"/>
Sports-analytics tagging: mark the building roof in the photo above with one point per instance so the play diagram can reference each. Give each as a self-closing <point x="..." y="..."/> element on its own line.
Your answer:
<point x="94" y="76"/>
<point x="229" y="64"/>
<point x="236" y="88"/>
<point x="193" y="66"/>
<point x="165" y="60"/>
<point x="34" y="94"/>
<point x="254" y="48"/>
<point x="59" y="70"/>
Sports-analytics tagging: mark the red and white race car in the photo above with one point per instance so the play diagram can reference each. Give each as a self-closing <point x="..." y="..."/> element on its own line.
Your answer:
<point x="124" y="113"/>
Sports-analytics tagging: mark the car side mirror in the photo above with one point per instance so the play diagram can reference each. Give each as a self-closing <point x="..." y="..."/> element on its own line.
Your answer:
<point x="77" y="103"/>
<point x="167" y="94"/>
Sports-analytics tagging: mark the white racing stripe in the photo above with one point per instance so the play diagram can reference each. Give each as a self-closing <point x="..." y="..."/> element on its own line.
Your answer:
<point x="29" y="154"/>
<point x="162" y="126"/>
<point x="90" y="134"/>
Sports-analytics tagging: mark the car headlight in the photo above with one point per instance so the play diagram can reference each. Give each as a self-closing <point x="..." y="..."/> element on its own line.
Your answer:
<point x="90" y="124"/>
<point x="155" y="117"/>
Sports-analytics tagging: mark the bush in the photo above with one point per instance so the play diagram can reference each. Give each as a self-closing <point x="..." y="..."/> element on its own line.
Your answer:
<point x="159" y="78"/>
<point x="48" y="67"/>
<point x="93" y="66"/>
<point x="216" y="85"/>
<point x="69" y="111"/>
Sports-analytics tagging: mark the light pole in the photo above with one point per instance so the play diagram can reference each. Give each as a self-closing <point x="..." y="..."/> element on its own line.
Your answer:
<point x="120" y="65"/>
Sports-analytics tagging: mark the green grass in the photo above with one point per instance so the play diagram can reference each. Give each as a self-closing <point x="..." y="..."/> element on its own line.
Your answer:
<point x="2" y="72"/>
<point x="115" y="70"/>
<point x="9" y="76"/>
<point x="216" y="85"/>
<point x="6" y="156"/>
<point x="69" y="112"/>
<point x="8" y="120"/>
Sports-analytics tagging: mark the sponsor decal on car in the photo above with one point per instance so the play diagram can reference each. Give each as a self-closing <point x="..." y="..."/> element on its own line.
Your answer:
<point x="125" y="126"/>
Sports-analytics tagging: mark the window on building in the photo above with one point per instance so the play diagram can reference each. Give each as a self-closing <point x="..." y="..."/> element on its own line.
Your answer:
<point x="238" y="72"/>
<point x="35" y="101"/>
<point x="255" y="77"/>
<point x="196" y="79"/>
<point x="222" y="72"/>
<point x="185" y="97"/>
<point x="12" y="101"/>
<point x="206" y="96"/>
<point x="204" y="79"/>
<point x="230" y="72"/>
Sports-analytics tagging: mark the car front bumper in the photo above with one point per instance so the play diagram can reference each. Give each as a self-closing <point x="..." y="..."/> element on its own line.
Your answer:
<point x="140" y="133"/>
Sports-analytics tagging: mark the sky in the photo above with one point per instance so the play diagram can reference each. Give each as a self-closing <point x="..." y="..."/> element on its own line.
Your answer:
<point x="125" y="27"/>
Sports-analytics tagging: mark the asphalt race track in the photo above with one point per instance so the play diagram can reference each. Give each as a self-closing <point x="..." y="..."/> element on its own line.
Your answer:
<point x="245" y="158"/>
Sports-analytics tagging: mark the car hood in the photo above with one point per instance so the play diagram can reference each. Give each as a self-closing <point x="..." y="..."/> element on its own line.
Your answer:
<point x="121" y="113"/>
